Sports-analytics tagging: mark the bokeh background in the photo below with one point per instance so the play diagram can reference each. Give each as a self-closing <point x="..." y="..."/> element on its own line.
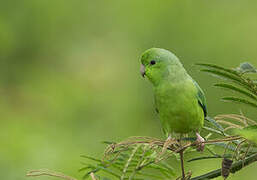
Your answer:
<point x="69" y="73"/>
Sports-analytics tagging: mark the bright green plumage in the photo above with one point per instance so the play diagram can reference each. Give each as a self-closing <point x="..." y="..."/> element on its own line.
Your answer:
<point x="179" y="100"/>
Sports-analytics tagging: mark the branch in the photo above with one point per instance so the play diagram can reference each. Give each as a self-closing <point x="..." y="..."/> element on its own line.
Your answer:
<point x="235" y="167"/>
<point x="45" y="172"/>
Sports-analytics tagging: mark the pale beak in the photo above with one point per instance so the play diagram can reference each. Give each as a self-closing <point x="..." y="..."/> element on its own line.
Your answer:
<point x="142" y="70"/>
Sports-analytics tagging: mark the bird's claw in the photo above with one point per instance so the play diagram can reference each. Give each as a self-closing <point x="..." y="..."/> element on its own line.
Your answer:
<point x="200" y="142"/>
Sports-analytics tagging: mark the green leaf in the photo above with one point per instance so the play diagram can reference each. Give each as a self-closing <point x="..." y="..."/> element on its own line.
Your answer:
<point x="108" y="142"/>
<point x="214" y="123"/>
<point x="214" y="131"/>
<point x="163" y="170"/>
<point x="148" y="175"/>
<point x="236" y="79"/>
<point x="105" y="178"/>
<point x="240" y="100"/>
<point x="234" y="88"/>
<point x="91" y="158"/>
<point x="223" y="75"/>
<point x="167" y="173"/>
<point x="246" y="68"/>
<point x="224" y="145"/>
<point x="249" y="132"/>
<point x="168" y="167"/>
<point x="213" y="66"/>
<point x="233" y="75"/>
<point x="251" y="128"/>
<point x="84" y="168"/>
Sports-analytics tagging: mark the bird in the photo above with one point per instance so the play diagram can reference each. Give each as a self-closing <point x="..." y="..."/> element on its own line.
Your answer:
<point x="179" y="100"/>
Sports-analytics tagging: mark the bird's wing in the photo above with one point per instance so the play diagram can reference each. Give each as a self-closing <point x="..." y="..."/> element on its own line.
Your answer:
<point x="201" y="98"/>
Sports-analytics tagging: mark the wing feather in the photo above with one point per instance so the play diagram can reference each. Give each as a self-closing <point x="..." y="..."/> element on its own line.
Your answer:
<point x="201" y="98"/>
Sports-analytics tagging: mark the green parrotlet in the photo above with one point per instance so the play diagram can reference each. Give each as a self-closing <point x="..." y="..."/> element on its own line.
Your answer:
<point x="179" y="100"/>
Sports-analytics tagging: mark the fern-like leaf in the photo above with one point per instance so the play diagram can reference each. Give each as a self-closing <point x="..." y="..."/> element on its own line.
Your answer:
<point x="214" y="123"/>
<point x="240" y="100"/>
<point x="234" y="88"/>
<point x="213" y="66"/>
<point x="223" y="75"/>
<point x="245" y="83"/>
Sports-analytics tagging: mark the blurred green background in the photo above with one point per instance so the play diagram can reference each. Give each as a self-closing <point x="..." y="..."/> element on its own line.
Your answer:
<point x="69" y="73"/>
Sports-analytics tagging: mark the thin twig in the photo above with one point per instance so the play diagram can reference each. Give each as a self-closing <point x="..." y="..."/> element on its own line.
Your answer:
<point x="232" y="117"/>
<point x="229" y="127"/>
<point x="172" y="147"/>
<point x="46" y="172"/>
<point x="239" y="117"/>
<point x="229" y="124"/>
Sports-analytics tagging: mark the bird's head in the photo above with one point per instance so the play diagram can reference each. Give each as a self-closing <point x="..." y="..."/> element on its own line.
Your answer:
<point x="157" y="63"/>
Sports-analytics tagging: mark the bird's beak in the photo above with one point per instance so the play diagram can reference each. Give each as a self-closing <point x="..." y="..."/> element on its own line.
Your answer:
<point x="142" y="70"/>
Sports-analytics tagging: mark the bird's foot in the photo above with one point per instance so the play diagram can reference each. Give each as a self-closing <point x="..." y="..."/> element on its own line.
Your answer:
<point x="200" y="142"/>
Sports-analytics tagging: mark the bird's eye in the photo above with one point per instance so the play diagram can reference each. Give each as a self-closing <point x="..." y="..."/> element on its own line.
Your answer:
<point x="152" y="62"/>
